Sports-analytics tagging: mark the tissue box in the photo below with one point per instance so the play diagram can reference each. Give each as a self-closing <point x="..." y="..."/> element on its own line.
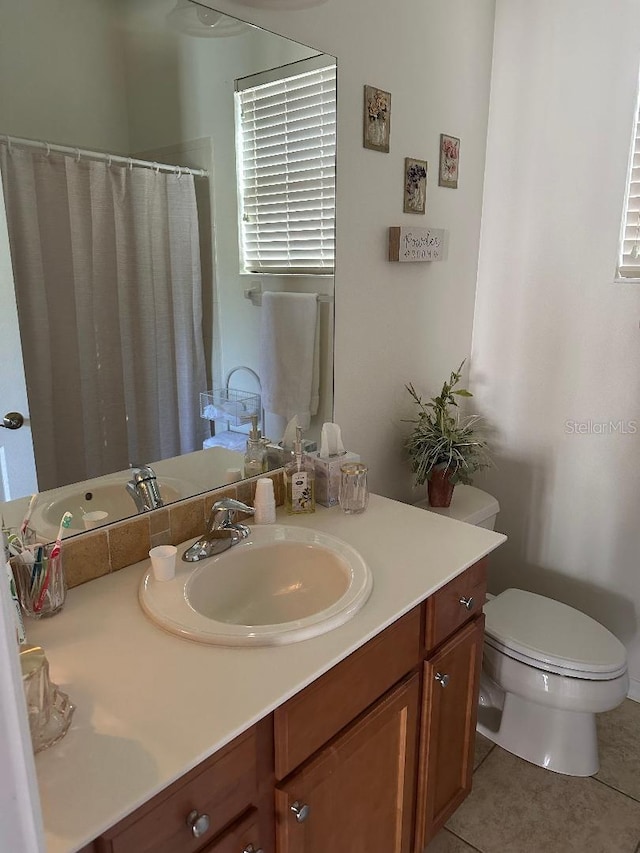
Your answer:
<point x="328" y="475"/>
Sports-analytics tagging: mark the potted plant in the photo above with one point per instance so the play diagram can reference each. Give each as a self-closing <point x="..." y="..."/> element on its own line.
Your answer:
<point x="444" y="447"/>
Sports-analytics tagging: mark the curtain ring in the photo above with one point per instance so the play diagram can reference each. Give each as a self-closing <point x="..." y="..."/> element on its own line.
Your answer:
<point x="48" y="149"/>
<point x="9" y="148"/>
<point x="156" y="168"/>
<point x="130" y="164"/>
<point x="109" y="160"/>
<point x="77" y="155"/>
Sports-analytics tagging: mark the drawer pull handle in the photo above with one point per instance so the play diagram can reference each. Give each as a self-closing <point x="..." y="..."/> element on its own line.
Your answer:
<point x="198" y="823"/>
<point x="467" y="602"/>
<point x="251" y="849"/>
<point x="442" y="679"/>
<point x="300" y="810"/>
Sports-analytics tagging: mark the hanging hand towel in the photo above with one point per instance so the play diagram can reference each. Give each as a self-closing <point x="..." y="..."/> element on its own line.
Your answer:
<point x="290" y="355"/>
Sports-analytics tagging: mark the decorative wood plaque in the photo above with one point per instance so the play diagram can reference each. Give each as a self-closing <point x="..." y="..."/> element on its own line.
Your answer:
<point x="416" y="244"/>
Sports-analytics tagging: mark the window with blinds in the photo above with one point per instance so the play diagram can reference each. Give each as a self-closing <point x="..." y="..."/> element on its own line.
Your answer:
<point x="629" y="260"/>
<point x="286" y="161"/>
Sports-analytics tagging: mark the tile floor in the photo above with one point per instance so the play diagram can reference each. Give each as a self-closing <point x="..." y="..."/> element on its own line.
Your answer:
<point x="516" y="807"/>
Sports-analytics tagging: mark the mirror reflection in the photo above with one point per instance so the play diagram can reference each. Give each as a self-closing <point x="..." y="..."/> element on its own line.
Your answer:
<point x="166" y="253"/>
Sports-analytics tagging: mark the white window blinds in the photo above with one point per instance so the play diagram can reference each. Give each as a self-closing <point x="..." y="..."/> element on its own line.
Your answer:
<point x="286" y="129"/>
<point x="629" y="261"/>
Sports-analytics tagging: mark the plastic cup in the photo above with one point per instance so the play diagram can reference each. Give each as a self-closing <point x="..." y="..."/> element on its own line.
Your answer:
<point x="94" y="519"/>
<point x="354" y="492"/>
<point x="163" y="562"/>
<point x="40" y="581"/>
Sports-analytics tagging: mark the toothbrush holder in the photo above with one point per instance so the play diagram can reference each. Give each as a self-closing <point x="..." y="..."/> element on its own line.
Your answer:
<point x="41" y="583"/>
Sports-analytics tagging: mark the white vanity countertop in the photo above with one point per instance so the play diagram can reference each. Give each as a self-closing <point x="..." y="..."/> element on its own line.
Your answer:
<point x="150" y="706"/>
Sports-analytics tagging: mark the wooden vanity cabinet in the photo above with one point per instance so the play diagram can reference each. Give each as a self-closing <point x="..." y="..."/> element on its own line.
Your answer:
<point x="357" y="794"/>
<point x="454" y="635"/>
<point x="348" y="747"/>
<point x="372" y="757"/>
<point x="451" y="679"/>
<point x="224" y="802"/>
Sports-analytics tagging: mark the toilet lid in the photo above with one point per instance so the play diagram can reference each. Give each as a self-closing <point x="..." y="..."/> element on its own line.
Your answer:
<point x="552" y="633"/>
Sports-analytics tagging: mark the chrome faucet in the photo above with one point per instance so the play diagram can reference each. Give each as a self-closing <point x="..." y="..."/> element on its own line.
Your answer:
<point x="143" y="488"/>
<point x="224" y="531"/>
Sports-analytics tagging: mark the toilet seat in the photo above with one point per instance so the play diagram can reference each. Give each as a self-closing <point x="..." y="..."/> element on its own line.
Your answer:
<point x="551" y="636"/>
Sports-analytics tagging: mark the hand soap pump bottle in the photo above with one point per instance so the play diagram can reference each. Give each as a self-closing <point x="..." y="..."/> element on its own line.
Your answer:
<point x="299" y="478"/>
<point x="255" y="457"/>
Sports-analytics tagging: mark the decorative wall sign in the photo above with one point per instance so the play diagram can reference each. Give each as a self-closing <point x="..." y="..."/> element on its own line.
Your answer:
<point x="449" y="161"/>
<point x="415" y="185"/>
<point x="416" y="244"/>
<point x="377" y="119"/>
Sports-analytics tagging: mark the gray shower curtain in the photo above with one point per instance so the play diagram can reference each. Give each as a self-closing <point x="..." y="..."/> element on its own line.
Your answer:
<point x="107" y="274"/>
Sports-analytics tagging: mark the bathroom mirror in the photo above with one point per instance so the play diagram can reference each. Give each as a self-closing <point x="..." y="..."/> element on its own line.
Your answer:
<point x="150" y="81"/>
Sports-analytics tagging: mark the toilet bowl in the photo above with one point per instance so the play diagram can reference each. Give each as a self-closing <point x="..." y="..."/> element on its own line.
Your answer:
<point x="547" y="669"/>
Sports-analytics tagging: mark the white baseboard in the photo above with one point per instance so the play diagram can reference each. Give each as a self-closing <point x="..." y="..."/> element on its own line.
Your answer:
<point x="634" y="689"/>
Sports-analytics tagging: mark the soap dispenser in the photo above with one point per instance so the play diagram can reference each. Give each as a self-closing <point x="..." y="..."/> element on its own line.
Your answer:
<point x="255" y="457"/>
<point x="299" y="478"/>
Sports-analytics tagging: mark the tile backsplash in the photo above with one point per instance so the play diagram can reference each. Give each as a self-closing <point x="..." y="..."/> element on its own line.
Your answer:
<point x="91" y="555"/>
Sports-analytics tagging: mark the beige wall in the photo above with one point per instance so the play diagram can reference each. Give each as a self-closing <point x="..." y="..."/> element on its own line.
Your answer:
<point x="411" y="322"/>
<point x="50" y="99"/>
<point x="556" y="341"/>
<point x="394" y="323"/>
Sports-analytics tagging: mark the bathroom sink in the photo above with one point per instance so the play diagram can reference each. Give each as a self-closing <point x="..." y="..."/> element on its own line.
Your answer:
<point x="280" y="585"/>
<point x="108" y="494"/>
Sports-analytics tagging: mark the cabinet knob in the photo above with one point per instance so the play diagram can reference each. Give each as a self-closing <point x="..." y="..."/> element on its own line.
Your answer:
<point x="198" y="823"/>
<point x="251" y="849"/>
<point x="442" y="679"/>
<point x="300" y="810"/>
<point x="467" y="602"/>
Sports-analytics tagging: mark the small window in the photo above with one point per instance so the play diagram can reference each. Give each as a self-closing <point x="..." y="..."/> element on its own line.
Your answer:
<point x="286" y="161"/>
<point x="629" y="260"/>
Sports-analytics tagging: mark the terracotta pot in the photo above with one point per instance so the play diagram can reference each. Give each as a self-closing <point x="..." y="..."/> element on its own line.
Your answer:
<point x="439" y="488"/>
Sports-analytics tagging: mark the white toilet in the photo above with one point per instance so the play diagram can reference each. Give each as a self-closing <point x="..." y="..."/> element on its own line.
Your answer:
<point x="548" y="669"/>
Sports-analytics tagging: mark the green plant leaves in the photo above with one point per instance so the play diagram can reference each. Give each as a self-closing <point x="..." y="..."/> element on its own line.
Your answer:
<point x="441" y="438"/>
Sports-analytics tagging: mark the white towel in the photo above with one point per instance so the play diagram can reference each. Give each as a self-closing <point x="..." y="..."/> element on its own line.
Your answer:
<point x="290" y="355"/>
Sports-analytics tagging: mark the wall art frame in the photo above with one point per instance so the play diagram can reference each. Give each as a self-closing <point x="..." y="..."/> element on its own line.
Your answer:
<point x="449" y="167"/>
<point x="376" y="119"/>
<point x="415" y="185"/>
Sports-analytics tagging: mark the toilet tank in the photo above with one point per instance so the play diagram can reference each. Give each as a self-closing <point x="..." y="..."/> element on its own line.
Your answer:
<point x="468" y="504"/>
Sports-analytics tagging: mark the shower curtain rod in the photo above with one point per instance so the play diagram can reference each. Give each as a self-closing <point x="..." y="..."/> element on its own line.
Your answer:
<point x="79" y="153"/>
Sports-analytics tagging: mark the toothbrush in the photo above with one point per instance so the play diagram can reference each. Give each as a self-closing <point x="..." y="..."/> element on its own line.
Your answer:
<point x="27" y="517"/>
<point x="64" y="524"/>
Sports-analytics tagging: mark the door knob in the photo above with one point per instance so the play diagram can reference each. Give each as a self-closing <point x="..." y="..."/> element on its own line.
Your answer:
<point x="251" y="849"/>
<point x="300" y="810"/>
<point x="467" y="602"/>
<point x="12" y="420"/>
<point x="442" y="679"/>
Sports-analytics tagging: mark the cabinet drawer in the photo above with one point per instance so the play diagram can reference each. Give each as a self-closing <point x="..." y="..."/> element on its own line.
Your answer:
<point x="223" y="787"/>
<point x="446" y="611"/>
<point x="243" y="835"/>
<point x="316" y="714"/>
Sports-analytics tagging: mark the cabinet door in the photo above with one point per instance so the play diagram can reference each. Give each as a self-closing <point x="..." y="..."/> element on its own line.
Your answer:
<point x="449" y="712"/>
<point x="357" y="794"/>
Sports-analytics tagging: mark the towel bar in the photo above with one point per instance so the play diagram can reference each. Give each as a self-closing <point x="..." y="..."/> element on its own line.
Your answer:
<point x="255" y="295"/>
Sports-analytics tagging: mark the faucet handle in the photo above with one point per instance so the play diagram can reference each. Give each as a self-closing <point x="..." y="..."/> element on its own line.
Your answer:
<point x="142" y="472"/>
<point x="229" y="506"/>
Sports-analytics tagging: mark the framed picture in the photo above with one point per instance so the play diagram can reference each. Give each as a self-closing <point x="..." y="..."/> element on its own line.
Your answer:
<point x="449" y="161"/>
<point x="415" y="185"/>
<point x="377" y="119"/>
